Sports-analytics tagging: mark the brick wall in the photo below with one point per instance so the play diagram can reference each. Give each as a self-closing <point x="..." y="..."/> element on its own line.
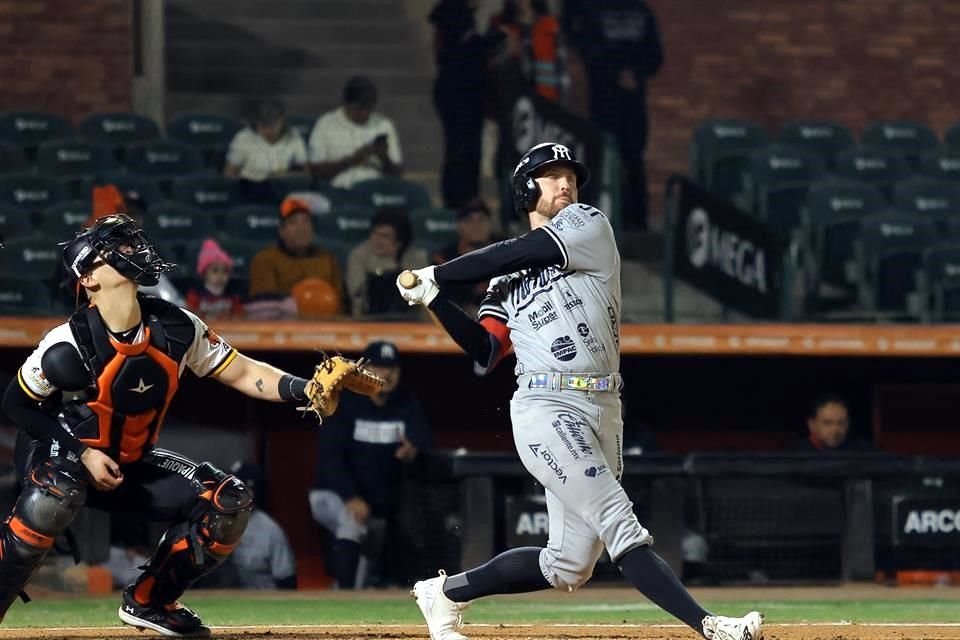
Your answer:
<point x="68" y="57"/>
<point x="854" y="61"/>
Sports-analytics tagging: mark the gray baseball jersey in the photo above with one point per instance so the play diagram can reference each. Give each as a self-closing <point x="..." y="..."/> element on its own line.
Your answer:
<point x="565" y="318"/>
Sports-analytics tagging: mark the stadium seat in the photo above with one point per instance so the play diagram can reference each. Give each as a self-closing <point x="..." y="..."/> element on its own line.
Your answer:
<point x="778" y="181"/>
<point x="241" y="250"/>
<point x="874" y="166"/>
<point x="347" y="224"/>
<point x="19" y="297"/>
<point x="73" y="159"/>
<point x="252" y="222"/>
<point x="63" y="220"/>
<point x="31" y="192"/>
<point x="907" y="139"/>
<point x="118" y="130"/>
<point x="434" y="229"/>
<point x="173" y="223"/>
<point x="302" y="124"/>
<point x="938" y="283"/>
<point x="210" y="192"/>
<point x="720" y="155"/>
<point x="935" y="198"/>
<point x="822" y="137"/>
<point x="325" y="198"/>
<point x="210" y="133"/>
<point x="146" y="188"/>
<point x="831" y="222"/>
<point x="390" y="191"/>
<point x="163" y="159"/>
<point x="32" y="259"/>
<point x="889" y="249"/>
<point x="27" y="129"/>
<point x="951" y="138"/>
<point x="15" y="223"/>
<point x="291" y="184"/>
<point x="12" y="159"/>
<point x="943" y="164"/>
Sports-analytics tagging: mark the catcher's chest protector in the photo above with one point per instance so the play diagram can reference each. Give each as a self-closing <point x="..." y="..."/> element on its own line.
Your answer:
<point x="134" y="382"/>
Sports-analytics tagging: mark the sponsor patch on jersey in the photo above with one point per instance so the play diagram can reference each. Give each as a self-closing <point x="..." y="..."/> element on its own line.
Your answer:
<point x="37" y="381"/>
<point x="547" y="456"/>
<point x="212" y="338"/>
<point x="570" y="299"/>
<point x="583" y="329"/>
<point x="571" y="430"/>
<point x="543" y="316"/>
<point x="593" y="472"/>
<point x="564" y="349"/>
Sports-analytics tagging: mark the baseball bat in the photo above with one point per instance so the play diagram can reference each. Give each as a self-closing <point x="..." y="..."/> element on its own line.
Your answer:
<point x="408" y="280"/>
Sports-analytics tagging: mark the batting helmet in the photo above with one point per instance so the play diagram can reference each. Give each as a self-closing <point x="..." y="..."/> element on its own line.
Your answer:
<point x="118" y="241"/>
<point x="526" y="191"/>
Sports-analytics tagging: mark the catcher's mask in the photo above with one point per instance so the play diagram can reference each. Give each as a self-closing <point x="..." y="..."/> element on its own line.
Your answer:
<point x="117" y="240"/>
<point x="526" y="191"/>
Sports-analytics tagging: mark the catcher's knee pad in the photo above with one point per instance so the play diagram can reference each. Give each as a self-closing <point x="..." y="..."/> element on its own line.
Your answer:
<point x="50" y="499"/>
<point x="222" y="509"/>
<point x="570" y="568"/>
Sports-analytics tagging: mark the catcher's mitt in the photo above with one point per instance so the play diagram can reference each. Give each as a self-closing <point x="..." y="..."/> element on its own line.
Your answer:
<point x="333" y="375"/>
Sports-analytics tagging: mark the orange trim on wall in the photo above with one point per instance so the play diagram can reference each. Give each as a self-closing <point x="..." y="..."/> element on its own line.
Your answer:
<point x="637" y="339"/>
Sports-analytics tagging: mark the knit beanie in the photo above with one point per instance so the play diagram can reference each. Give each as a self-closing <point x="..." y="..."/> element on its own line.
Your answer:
<point x="212" y="253"/>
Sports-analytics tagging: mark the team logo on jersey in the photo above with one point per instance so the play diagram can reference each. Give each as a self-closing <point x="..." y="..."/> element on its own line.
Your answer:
<point x="212" y="338"/>
<point x="543" y="316"/>
<point x="564" y="349"/>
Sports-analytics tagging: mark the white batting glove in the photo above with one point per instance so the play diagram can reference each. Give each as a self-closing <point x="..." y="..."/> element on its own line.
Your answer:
<point x="425" y="290"/>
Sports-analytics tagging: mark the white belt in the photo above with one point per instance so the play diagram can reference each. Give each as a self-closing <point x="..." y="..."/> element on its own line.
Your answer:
<point x="553" y="381"/>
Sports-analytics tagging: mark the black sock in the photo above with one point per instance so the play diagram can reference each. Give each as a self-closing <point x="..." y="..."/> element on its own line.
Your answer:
<point x="346" y="557"/>
<point x="652" y="577"/>
<point x="513" y="571"/>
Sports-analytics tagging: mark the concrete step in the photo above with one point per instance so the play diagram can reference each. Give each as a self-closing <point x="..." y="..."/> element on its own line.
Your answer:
<point x="293" y="32"/>
<point x="256" y="10"/>
<point x="223" y="58"/>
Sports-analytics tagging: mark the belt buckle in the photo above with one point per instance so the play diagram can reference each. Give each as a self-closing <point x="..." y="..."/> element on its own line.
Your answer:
<point x="538" y="381"/>
<point x="579" y="383"/>
<point x="603" y="383"/>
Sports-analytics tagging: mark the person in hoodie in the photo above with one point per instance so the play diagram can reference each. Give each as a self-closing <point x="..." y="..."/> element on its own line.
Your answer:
<point x="363" y="453"/>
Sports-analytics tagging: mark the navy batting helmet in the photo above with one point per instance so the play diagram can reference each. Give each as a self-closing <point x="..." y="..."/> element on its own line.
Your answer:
<point x="526" y="191"/>
<point x="118" y="241"/>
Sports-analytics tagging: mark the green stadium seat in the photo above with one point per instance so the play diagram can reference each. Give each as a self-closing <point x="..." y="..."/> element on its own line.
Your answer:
<point x="890" y="246"/>
<point x="146" y="188"/>
<point x="210" y="133"/>
<point x="938" y="283"/>
<point x="241" y="250"/>
<point x="33" y="258"/>
<point x="823" y="137"/>
<point x="12" y="159"/>
<point x="951" y="138"/>
<point x="63" y="220"/>
<point x="778" y="181"/>
<point x="325" y="198"/>
<point x="15" y="223"/>
<point x="69" y="159"/>
<point x="874" y="166"/>
<point x="27" y="129"/>
<point x="173" y="223"/>
<point x="209" y="192"/>
<point x="929" y="197"/>
<point x="942" y="164"/>
<point x="347" y="224"/>
<point x="291" y="184"/>
<point x="908" y="139"/>
<point x="163" y="159"/>
<point x="391" y="191"/>
<point x="19" y="297"/>
<point x="720" y="155"/>
<point x="31" y="192"/>
<point x="118" y="130"/>
<point x="253" y="222"/>
<point x="302" y="124"/>
<point x="434" y="229"/>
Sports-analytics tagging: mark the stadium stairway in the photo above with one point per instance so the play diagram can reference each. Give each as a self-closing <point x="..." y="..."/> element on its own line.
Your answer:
<point x="220" y="54"/>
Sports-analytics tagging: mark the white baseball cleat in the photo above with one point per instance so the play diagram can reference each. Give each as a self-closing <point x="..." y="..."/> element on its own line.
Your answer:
<point x="749" y="627"/>
<point x="443" y="615"/>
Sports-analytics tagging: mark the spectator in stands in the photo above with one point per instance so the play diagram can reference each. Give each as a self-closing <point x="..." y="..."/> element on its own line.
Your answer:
<point x="353" y="142"/>
<point x="362" y="454"/>
<point x="263" y="559"/>
<point x="374" y="264"/>
<point x="211" y="298"/>
<point x="474" y="231"/>
<point x="828" y="425"/>
<point x="459" y="91"/>
<point x="619" y="43"/>
<point x="275" y="270"/>
<point x="266" y="149"/>
<point x="534" y="41"/>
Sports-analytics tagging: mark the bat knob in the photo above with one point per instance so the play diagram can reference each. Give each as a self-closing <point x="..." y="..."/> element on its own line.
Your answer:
<point x="408" y="280"/>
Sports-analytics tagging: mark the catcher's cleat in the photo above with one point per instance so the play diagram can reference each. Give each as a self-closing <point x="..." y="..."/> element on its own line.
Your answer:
<point x="173" y="620"/>
<point x="443" y="615"/>
<point x="749" y="627"/>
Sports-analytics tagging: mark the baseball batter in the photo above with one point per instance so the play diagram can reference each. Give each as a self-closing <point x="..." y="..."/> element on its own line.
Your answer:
<point x="554" y="297"/>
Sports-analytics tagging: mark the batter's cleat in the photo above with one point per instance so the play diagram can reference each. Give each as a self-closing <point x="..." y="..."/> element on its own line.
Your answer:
<point x="173" y="620"/>
<point x="443" y="615"/>
<point x="749" y="627"/>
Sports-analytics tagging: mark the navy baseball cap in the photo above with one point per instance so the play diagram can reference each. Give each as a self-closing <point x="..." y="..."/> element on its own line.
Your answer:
<point x="382" y="353"/>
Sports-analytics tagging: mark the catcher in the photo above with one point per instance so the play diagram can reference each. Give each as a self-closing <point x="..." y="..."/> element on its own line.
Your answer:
<point x="89" y="403"/>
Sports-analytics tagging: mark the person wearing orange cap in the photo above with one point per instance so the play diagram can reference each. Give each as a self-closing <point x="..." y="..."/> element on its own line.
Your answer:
<point x="211" y="300"/>
<point x="276" y="269"/>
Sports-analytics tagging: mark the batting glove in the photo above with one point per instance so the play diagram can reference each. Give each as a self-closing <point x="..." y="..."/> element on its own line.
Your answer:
<point x="425" y="290"/>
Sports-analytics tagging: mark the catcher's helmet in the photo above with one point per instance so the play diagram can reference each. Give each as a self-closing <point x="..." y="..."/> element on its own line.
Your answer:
<point x="118" y="241"/>
<point x="526" y="191"/>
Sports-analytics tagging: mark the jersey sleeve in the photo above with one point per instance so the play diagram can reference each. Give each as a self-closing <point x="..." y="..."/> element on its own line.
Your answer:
<point x="31" y="377"/>
<point x="585" y="238"/>
<point x="208" y="354"/>
<point x="492" y="304"/>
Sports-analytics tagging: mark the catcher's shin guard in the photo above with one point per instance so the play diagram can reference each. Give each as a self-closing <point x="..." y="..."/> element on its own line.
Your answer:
<point x="51" y="498"/>
<point x="190" y="550"/>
